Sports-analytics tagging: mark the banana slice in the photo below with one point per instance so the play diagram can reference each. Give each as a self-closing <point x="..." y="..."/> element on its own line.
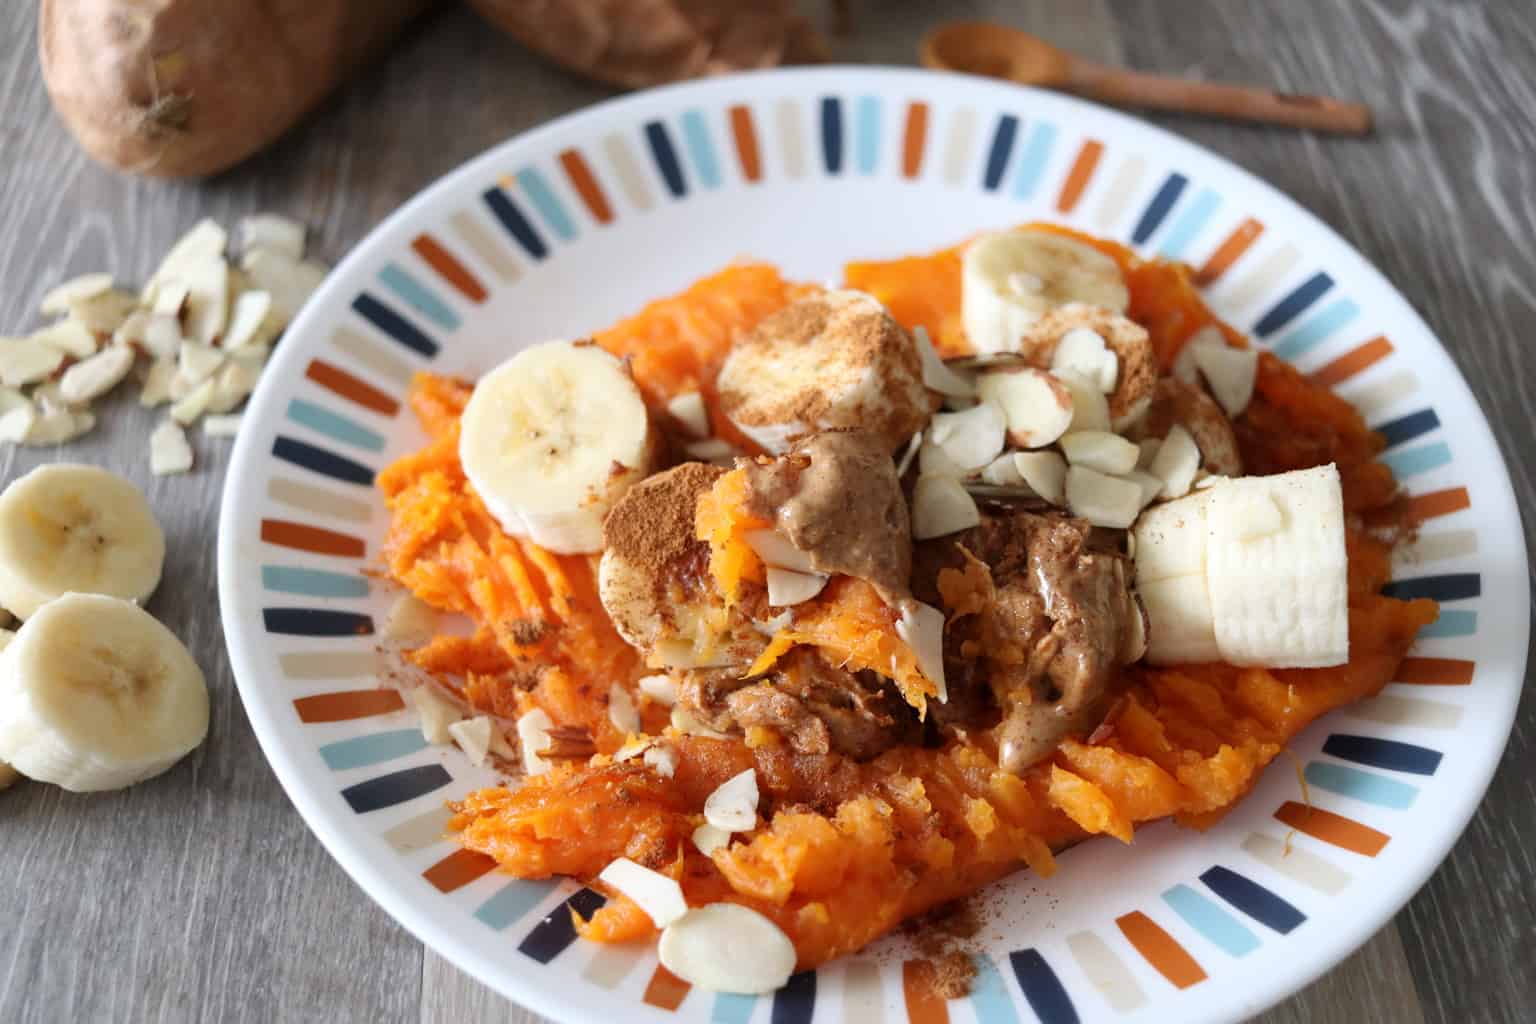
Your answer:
<point x="67" y="528"/>
<point x="95" y="694"/>
<point x="835" y="360"/>
<point x="553" y="437"/>
<point x="1012" y="278"/>
<point x="1249" y="571"/>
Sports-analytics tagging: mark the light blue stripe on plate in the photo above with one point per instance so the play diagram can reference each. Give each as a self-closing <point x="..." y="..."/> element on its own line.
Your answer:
<point x="290" y="579"/>
<point x="1454" y="622"/>
<point x="544" y="200"/>
<point x="333" y="425"/>
<point x="867" y="134"/>
<point x="1219" y="927"/>
<point x="1037" y="150"/>
<point x="376" y="749"/>
<point x="700" y="150"/>
<point x="1367" y="786"/>
<point x="731" y="1008"/>
<point x="1422" y="459"/>
<point x="511" y="902"/>
<point x="418" y="296"/>
<point x="1189" y="224"/>
<point x="990" y="995"/>
<point x="1316" y="328"/>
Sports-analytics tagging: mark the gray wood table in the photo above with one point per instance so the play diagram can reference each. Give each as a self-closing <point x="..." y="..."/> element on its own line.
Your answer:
<point x="202" y="896"/>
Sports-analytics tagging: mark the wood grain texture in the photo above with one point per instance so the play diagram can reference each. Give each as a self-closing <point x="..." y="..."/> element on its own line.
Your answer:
<point x="235" y="912"/>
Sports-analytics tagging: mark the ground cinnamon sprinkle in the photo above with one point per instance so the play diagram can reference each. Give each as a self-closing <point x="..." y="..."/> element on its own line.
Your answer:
<point x="652" y="525"/>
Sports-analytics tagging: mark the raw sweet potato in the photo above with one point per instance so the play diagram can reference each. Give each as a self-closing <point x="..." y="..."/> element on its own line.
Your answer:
<point x="182" y="88"/>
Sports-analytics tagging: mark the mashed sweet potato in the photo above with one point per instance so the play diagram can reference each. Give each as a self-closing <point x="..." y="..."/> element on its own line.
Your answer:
<point x="847" y="851"/>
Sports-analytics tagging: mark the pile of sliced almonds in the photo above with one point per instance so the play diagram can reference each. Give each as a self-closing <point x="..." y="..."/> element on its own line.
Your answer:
<point x="1056" y="433"/>
<point x="196" y="337"/>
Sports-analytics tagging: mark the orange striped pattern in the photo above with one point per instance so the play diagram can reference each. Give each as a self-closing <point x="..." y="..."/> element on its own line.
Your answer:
<point x="744" y="135"/>
<point x="665" y="990"/>
<point x="333" y="378"/>
<point x="311" y="538"/>
<point x="913" y="138"/>
<point x="347" y="705"/>
<point x="1352" y="362"/>
<point x="1160" y="950"/>
<point x="1229" y="251"/>
<point x="1083" y="166"/>
<point x="585" y="183"/>
<point x="1345" y="833"/>
<point x="924" y="1006"/>
<point x="449" y="268"/>
<point x="458" y="869"/>
<point x="1435" y="672"/>
<point x="1438" y="503"/>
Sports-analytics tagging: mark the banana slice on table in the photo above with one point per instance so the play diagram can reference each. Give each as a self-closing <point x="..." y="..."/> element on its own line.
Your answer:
<point x="67" y="528"/>
<point x="96" y="694"/>
<point x="553" y="437"/>
<point x="1249" y="571"/>
<point x="835" y="360"/>
<point x="1009" y="279"/>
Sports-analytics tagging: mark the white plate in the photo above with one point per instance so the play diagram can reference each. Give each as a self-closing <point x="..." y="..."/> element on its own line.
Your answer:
<point x="565" y="229"/>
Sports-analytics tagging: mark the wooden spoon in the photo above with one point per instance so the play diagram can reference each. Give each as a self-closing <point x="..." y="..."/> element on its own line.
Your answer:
<point x="982" y="48"/>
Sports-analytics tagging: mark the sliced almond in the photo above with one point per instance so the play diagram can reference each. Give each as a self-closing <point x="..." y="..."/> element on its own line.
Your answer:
<point x="941" y="506"/>
<point x="207" y="308"/>
<point x="688" y="409"/>
<point x="59" y="425"/>
<point x="233" y="384"/>
<point x="733" y="804"/>
<point x="192" y="405"/>
<point x="198" y="362"/>
<point x="409" y="622"/>
<point x="1136" y="367"/>
<point x="662" y="759"/>
<point x="473" y="736"/>
<point x="659" y="896"/>
<point x="622" y="711"/>
<point x="289" y="283"/>
<point x="687" y="723"/>
<point x="707" y="839"/>
<point x="162" y="336"/>
<point x="1151" y="486"/>
<point x="1037" y="407"/>
<point x="157" y="383"/>
<point x="17" y="422"/>
<point x="632" y="748"/>
<point x="1045" y="473"/>
<point x="776" y="550"/>
<point x="1184" y="366"/>
<point x="1176" y="462"/>
<point x="1135" y="645"/>
<point x="47" y="397"/>
<point x="936" y="375"/>
<point x="1082" y="351"/>
<point x="533" y="739"/>
<point x="1090" y="409"/>
<point x="935" y="461"/>
<point x="274" y="233"/>
<point x="1230" y="373"/>
<point x="787" y="587"/>
<point x="250" y="321"/>
<point x="659" y="688"/>
<point x="1101" y="499"/>
<point x="26" y="361"/>
<point x="1147" y="451"/>
<point x="205" y="241"/>
<point x="58" y="298"/>
<point x="435" y="713"/>
<point x="169" y="299"/>
<point x="97" y="375"/>
<point x="68" y="336"/>
<point x="169" y="451"/>
<point x="971" y="438"/>
<point x="103" y="313"/>
<point x="1100" y="450"/>
<point x="221" y="426"/>
<point x="726" y="947"/>
<point x="921" y="627"/>
<point x="131" y="330"/>
<point x="905" y="462"/>
<point x="500" y="745"/>
<point x="711" y="450"/>
<point x="1003" y="471"/>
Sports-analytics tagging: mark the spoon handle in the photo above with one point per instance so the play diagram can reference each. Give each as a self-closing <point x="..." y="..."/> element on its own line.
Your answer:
<point x="1134" y="88"/>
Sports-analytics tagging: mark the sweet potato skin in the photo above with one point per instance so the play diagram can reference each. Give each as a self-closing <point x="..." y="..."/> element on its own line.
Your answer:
<point x="186" y="88"/>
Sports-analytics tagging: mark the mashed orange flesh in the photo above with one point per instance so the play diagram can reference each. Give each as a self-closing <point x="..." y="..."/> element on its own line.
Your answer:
<point x="860" y="847"/>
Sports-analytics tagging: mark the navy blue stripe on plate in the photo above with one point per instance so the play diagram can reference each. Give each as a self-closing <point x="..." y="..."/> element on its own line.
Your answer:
<point x="1455" y="586"/>
<point x="316" y="622"/>
<point x="551" y="936"/>
<point x="1158" y="208"/>
<point x="1042" y="988"/>
<point x="1294" y="304"/>
<point x="394" y="325"/>
<point x="796" y="1001"/>
<point x="318" y="460"/>
<point x="1253" y="899"/>
<point x="832" y="134"/>
<point x="396" y="787"/>
<point x="665" y="156"/>
<point x="517" y="225"/>
<point x="1002" y="146"/>
<point x="1378" y="753"/>
<point x="1406" y="428"/>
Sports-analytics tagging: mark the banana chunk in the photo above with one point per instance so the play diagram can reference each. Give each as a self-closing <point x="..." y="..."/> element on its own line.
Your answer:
<point x="69" y="528"/>
<point x="836" y="360"/>
<point x="1250" y="571"/>
<point x="1010" y="279"/>
<point x="553" y="437"/>
<point x="96" y="694"/>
